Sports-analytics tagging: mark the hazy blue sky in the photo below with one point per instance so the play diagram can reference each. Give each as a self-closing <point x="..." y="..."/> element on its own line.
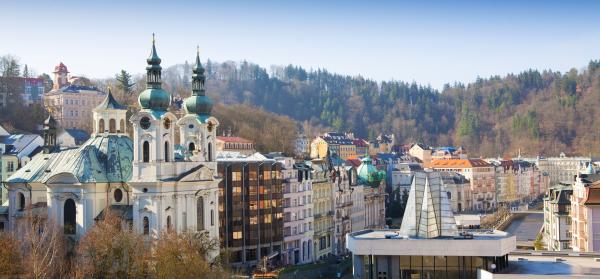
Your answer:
<point x="431" y="43"/>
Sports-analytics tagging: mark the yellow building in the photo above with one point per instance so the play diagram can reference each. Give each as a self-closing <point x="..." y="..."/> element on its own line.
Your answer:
<point x="322" y="209"/>
<point x="335" y="143"/>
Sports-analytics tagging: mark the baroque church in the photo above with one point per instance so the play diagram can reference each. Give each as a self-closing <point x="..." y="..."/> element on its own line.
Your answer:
<point x="142" y="180"/>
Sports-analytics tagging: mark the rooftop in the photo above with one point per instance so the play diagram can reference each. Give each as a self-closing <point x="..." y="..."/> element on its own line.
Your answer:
<point x="458" y="163"/>
<point x="234" y="139"/>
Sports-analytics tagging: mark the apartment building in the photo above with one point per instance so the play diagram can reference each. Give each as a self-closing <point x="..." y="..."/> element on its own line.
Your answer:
<point x="557" y="217"/>
<point x="322" y="209"/>
<point x="585" y="213"/>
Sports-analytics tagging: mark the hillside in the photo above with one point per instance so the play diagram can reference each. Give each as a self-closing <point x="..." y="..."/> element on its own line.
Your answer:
<point x="536" y="112"/>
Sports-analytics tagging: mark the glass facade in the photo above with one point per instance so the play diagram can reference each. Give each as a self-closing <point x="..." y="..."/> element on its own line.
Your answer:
<point x="250" y="209"/>
<point x="428" y="267"/>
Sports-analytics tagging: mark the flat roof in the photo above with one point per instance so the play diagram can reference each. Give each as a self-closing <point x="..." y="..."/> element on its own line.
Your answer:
<point x="483" y="243"/>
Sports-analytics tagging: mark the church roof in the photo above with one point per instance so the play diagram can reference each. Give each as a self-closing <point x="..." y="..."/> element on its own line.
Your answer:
<point x="109" y="103"/>
<point x="100" y="159"/>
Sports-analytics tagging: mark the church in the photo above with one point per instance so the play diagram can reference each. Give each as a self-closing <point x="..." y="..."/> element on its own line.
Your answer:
<point x="142" y="180"/>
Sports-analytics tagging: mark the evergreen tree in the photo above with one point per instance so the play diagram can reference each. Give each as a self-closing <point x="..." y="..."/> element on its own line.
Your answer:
<point x="25" y="71"/>
<point x="125" y="82"/>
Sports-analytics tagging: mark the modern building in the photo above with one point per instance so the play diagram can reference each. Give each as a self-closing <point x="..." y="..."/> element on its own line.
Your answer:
<point x="71" y="104"/>
<point x="479" y="173"/>
<point x="428" y="244"/>
<point x="557" y="217"/>
<point x="585" y="213"/>
<point x="250" y="208"/>
<point x="322" y="208"/>
<point x="15" y="152"/>
<point x="138" y="179"/>
<point x="235" y="144"/>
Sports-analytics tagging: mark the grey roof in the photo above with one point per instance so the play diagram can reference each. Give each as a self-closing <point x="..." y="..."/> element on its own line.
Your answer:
<point x="15" y="144"/>
<point x="109" y="103"/>
<point x="80" y="136"/>
<point x="100" y="159"/>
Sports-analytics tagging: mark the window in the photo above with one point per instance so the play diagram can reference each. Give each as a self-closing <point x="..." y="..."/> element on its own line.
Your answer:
<point x="122" y="126"/>
<point x="101" y="126"/>
<point x="118" y="195"/>
<point x="10" y="166"/>
<point x="166" y="151"/>
<point x="200" y="214"/>
<point x="69" y="215"/>
<point x="146" y="152"/>
<point x="146" y="225"/>
<point x="237" y="235"/>
<point x="191" y="147"/>
<point x="168" y="222"/>
<point x="21" y="202"/>
<point x="212" y="217"/>
<point x="210" y="151"/>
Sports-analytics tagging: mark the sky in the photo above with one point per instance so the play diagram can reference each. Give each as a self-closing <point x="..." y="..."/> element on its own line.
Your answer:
<point x="430" y="42"/>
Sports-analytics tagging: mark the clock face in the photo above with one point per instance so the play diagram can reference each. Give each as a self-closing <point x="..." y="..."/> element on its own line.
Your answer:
<point x="191" y="126"/>
<point x="167" y="123"/>
<point x="145" y="123"/>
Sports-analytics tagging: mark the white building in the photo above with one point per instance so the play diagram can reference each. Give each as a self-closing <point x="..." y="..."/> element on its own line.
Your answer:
<point x="557" y="219"/>
<point x="428" y="244"/>
<point x="562" y="168"/>
<point x="297" y="212"/>
<point x="138" y="179"/>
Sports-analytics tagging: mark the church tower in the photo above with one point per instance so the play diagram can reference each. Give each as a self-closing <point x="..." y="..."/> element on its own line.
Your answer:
<point x="50" y="133"/>
<point x="109" y="117"/>
<point x="153" y="129"/>
<point x="60" y="76"/>
<point x="198" y="128"/>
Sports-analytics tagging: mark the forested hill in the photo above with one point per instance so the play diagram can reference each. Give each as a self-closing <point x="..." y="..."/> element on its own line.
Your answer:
<point x="537" y="112"/>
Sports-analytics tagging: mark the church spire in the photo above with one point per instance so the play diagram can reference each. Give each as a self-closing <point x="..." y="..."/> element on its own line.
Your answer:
<point x="154" y="97"/>
<point x="198" y="77"/>
<point x="153" y="70"/>
<point x="198" y="103"/>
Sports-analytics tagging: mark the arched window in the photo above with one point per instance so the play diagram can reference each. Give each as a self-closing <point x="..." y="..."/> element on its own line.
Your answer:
<point x="210" y="151"/>
<point x="166" y="151"/>
<point x="101" y="126"/>
<point x="200" y="214"/>
<point x="146" y="225"/>
<point x="168" y="222"/>
<point x="122" y="126"/>
<point x="192" y="147"/>
<point x="212" y="217"/>
<point x="69" y="215"/>
<point x="21" y="201"/>
<point x="112" y="126"/>
<point x="146" y="152"/>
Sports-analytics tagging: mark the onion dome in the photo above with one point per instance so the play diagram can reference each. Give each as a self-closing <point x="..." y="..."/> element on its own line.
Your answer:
<point x="368" y="174"/>
<point x="154" y="97"/>
<point x="61" y="68"/>
<point x="198" y="103"/>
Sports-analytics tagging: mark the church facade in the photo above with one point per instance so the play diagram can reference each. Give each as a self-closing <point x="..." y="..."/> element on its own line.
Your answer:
<point x="153" y="182"/>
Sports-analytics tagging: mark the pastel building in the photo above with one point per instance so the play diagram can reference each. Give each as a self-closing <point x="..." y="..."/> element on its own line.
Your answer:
<point x="585" y="213"/>
<point x="557" y="217"/>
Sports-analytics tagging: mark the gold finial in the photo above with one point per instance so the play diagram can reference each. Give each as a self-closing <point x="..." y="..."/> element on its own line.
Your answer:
<point x="109" y="87"/>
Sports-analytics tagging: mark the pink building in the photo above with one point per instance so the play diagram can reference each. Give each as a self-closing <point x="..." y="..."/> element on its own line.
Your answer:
<point x="585" y="213"/>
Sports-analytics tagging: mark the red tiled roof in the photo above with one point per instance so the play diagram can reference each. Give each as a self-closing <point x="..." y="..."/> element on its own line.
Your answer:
<point x="593" y="194"/>
<point x="234" y="139"/>
<point x="360" y="143"/>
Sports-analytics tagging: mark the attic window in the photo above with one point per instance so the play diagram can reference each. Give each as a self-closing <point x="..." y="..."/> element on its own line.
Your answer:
<point x="48" y="170"/>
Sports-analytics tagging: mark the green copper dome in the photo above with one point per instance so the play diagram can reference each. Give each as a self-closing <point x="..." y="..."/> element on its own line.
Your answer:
<point x="198" y="103"/>
<point x="154" y="97"/>
<point x="368" y="174"/>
